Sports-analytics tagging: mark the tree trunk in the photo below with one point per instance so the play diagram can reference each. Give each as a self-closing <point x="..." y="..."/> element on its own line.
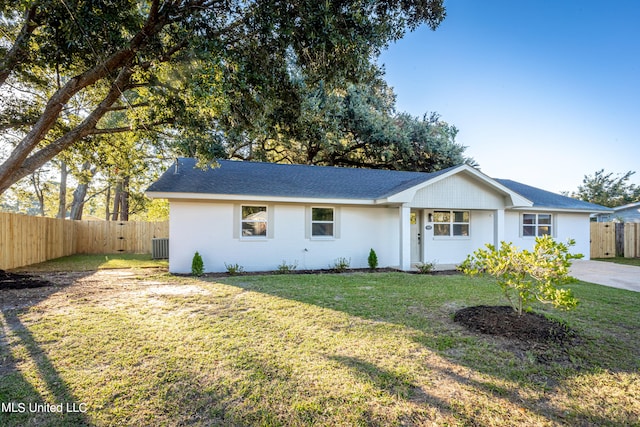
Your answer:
<point x="39" y="193"/>
<point x="62" y="198"/>
<point x="124" y="200"/>
<point x="108" y="203"/>
<point x="79" y="195"/>
<point x="77" y="206"/>
<point x="121" y="200"/>
<point x="116" y="201"/>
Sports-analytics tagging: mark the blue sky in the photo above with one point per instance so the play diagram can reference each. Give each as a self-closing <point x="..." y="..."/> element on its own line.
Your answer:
<point x="543" y="92"/>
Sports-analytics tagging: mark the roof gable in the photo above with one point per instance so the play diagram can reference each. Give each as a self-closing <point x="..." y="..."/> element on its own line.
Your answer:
<point x="511" y="198"/>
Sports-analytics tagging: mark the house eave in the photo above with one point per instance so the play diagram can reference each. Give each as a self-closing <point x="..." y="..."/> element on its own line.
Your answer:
<point x="566" y="210"/>
<point x="255" y="198"/>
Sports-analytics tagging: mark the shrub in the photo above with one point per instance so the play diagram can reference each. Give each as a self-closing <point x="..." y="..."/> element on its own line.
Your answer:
<point x="197" y="265"/>
<point x="373" y="259"/>
<point x="285" y="268"/>
<point x="234" y="269"/>
<point x="425" y="267"/>
<point x="526" y="276"/>
<point x="341" y="264"/>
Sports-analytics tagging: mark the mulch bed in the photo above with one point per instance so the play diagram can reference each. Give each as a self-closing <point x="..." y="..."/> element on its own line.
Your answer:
<point x="325" y="271"/>
<point x="504" y="321"/>
<point x="21" y="281"/>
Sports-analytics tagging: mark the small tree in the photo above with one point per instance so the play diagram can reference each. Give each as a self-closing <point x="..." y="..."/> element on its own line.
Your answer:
<point x="197" y="265"/>
<point x="526" y="276"/>
<point x="373" y="259"/>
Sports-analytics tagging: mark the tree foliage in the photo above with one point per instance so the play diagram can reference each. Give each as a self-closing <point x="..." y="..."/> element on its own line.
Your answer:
<point x="187" y="70"/>
<point x="354" y="126"/>
<point x="526" y="276"/>
<point x="607" y="189"/>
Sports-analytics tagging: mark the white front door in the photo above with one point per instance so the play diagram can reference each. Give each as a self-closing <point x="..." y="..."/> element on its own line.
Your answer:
<point x="416" y="236"/>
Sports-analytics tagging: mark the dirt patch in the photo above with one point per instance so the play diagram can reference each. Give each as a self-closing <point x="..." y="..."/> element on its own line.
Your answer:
<point x="21" y="281"/>
<point x="504" y="321"/>
<point x="18" y="291"/>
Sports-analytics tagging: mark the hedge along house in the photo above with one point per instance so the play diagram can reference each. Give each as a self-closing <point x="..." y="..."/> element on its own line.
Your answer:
<point x="258" y="215"/>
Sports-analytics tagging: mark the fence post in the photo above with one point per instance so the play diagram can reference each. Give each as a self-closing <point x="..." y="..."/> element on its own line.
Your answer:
<point x="619" y="239"/>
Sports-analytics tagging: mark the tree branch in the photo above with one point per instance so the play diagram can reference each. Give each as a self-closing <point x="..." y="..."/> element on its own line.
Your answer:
<point x="128" y="106"/>
<point x="17" y="53"/>
<point x="15" y="166"/>
<point x="83" y="129"/>
<point x="123" y="129"/>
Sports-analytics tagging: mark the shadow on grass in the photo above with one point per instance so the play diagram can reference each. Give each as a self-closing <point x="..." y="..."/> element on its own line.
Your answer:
<point x="397" y="385"/>
<point x="412" y="304"/>
<point x="22" y="403"/>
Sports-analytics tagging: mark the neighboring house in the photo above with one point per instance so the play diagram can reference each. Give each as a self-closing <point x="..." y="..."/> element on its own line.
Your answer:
<point x="258" y="215"/>
<point x="625" y="213"/>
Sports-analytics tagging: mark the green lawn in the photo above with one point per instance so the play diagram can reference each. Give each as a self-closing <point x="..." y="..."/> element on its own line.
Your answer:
<point x="621" y="260"/>
<point x="96" y="262"/>
<point x="152" y="349"/>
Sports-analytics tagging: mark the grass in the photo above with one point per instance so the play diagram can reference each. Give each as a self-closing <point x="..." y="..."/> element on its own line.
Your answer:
<point x="96" y="262"/>
<point x="621" y="260"/>
<point x="334" y="349"/>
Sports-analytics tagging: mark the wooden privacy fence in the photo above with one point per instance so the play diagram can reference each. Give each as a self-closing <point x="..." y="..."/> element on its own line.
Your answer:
<point x="110" y="237"/>
<point x="611" y="239"/>
<point x="28" y="240"/>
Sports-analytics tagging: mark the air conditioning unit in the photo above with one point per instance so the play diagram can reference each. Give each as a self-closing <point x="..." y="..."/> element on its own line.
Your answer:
<point x="160" y="248"/>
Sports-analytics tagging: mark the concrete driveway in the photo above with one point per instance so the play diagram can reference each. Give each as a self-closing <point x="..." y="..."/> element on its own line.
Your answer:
<point x="607" y="273"/>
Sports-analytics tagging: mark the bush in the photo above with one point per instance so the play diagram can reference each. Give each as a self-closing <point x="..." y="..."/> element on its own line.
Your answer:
<point x="341" y="264"/>
<point x="197" y="265"/>
<point x="526" y="276"/>
<point x="285" y="268"/>
<point x="234" y="269"/>
<point x="373" y="259"/>
<point x="425" y="267"/>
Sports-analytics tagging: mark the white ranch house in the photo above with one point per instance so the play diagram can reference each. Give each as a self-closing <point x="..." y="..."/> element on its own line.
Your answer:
<point x="258" y="215"/>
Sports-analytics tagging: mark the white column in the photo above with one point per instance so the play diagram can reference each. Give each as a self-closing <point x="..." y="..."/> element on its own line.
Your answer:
<point x="405" y="237"/>
<point x="498" y="227"/>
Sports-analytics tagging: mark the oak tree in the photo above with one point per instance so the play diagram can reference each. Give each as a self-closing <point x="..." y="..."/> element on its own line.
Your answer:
<point x="176" y="67"/>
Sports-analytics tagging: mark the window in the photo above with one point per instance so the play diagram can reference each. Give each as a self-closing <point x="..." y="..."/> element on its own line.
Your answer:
<point x="322" y="222"/>
<point x="254" y="221"/>
<point x="537" y="225"/>
<point x="451" y="223"/>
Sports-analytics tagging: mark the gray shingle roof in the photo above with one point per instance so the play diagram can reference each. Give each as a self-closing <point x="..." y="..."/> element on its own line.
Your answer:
<point x="323" y="182"/>
<point x="547" y="199"/>
<point x="279" y="180"/>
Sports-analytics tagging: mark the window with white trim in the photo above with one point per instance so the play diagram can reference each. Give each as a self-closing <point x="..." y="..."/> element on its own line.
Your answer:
<point x="535" y="225"/>
<point x="254" y="221"/>
<point x="451" y="223"/>
<point x="322" y="222"/>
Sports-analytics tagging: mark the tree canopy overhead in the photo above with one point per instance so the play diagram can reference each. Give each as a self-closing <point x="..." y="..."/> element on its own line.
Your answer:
<point x="177" y="67"/>
<point x="607" y="189"/>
